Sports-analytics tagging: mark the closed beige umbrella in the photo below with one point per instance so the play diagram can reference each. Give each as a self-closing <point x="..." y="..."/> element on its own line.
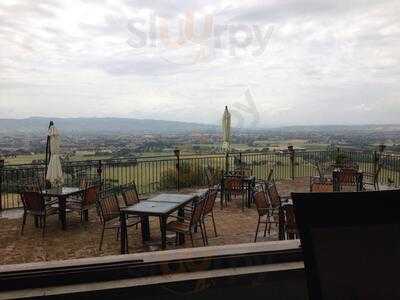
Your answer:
<point x="226" y="130"/>
<point x="54" y="170"/>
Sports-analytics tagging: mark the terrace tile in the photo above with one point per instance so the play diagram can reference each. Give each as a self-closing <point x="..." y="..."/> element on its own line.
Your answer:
<point x="80" y="241"/>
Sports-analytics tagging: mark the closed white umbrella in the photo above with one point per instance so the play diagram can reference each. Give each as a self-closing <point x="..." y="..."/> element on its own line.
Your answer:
<point x="54" y="170"/>
<point x="226" y="130"/>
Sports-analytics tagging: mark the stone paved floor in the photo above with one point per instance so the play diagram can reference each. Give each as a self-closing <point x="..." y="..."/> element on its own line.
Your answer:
<point x="233" y="225"/>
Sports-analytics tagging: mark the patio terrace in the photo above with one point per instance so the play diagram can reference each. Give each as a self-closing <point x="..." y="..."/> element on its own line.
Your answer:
<point x="81" y="241"/>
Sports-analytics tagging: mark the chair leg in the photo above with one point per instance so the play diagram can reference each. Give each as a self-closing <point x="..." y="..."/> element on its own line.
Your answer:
<point x="265" y="228"/>
<point x="101" y="238"/>
<point x="86" y="215"/>
<point x="215" y="227"/>
<point x="258" y="225"/>
<point x="269" y="228"/>
<point x="205" y="230"/>
<point x="118" y="232"/>
<point x="23" y="223"/>
<point x="202" y="234"/>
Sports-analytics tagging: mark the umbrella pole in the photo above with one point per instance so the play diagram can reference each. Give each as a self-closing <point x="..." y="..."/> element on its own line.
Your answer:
<point x="47" y="158"/>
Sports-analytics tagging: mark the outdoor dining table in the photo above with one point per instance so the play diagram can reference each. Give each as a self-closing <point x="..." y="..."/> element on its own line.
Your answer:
<point x="160" y="206"/>
<point x="62" y="194"/>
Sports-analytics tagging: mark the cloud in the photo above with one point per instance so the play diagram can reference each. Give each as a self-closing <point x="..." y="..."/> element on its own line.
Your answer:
<point x="324" y="61"/>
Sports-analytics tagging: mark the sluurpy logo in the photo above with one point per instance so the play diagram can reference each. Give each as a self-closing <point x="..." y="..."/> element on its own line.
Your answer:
<point x="245" y="113"/>
<point x="195" y="37"/>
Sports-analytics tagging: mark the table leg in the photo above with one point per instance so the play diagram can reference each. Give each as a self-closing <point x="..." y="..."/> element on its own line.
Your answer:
<point x="249" y="194"/>
<point x="124" y="235"/>
<point x="62" y="211"/>
<point x="181" y="237"/>
<point x="281" y="224"/>
<point x="163" y="228"/>
<point x="145" y="227"/>
<point x="222" y="193"/>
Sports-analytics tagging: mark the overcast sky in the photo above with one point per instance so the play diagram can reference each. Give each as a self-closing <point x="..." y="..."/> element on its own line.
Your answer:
<point x="273" y="62"/>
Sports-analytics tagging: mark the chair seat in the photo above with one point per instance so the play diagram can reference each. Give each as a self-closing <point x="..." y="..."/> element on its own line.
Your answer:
<point x="178" y="226"/>
<point x="131" y="221"/>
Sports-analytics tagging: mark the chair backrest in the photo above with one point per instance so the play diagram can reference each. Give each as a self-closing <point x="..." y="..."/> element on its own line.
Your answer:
<point x="83" y="182"/>
<point x="234" y="184"/>
<point x="197" y="211"/>
<point x="348" y="176"/>
<point x="261" y="201"/>
<point x="35" y="184"/>
<point x="130" y="194"/>
<point x="90" y="195"/>
<point x="109" y="207"/>
<point x="32" y="200"/>
<point x="273" y="194"/>
<point x="210" y="201"/>
<point x="320" y="185"/>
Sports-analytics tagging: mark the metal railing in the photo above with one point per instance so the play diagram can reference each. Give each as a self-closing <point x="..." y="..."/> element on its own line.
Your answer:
<point x="157" y="173"/>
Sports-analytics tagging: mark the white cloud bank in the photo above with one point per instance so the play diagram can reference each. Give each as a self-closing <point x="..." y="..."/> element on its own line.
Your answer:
<point x="304" y="61"/>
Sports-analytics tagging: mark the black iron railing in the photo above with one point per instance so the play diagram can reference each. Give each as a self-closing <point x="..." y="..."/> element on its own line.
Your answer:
<point x="157" y="173"/>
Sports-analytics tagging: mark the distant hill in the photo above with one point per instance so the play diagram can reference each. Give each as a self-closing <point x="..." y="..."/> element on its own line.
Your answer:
<point x="340" y="128"/>
<point x="38" y="125"/>
<point x="108" y="126"/>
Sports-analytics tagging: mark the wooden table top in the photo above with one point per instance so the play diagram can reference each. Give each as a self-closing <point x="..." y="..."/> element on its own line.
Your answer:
<point x="161" y="204"/>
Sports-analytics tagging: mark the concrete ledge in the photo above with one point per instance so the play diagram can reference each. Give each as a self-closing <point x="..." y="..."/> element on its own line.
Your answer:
<point x="160" y="256"/>
<point x="222" y="265"/>
<point x="154" y="281"/>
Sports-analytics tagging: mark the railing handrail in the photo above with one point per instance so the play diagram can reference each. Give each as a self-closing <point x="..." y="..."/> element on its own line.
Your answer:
<point x="159" y="172"/>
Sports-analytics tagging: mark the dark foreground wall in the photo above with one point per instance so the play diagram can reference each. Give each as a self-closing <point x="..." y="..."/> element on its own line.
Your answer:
<point x="251" y="271"/>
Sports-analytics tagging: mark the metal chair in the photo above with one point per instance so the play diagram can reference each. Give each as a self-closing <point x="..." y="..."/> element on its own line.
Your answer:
<point x="273" y="195"/>
<point x="290" y="222"/>
<point x="189" y="225"/>
<point x="110" y="215"/>
<point x="372" y="179"/>
<point x="35" y="205"/>
<point x="346" y="180"/>
<point x="264" y="209"/>
<point x="233" y="186"/>
<point x="130" y="194"/>
<point x="208" y="211"/>
<point x="87" y="201"/>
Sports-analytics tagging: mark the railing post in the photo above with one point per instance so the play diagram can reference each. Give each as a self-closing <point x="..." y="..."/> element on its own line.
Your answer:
<point x="1" y="181"/>
<point x="178" y="167"/>
<point x="292" y="159"/>
<point x="376" y="161"/>
<point x="99" y="170"/>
